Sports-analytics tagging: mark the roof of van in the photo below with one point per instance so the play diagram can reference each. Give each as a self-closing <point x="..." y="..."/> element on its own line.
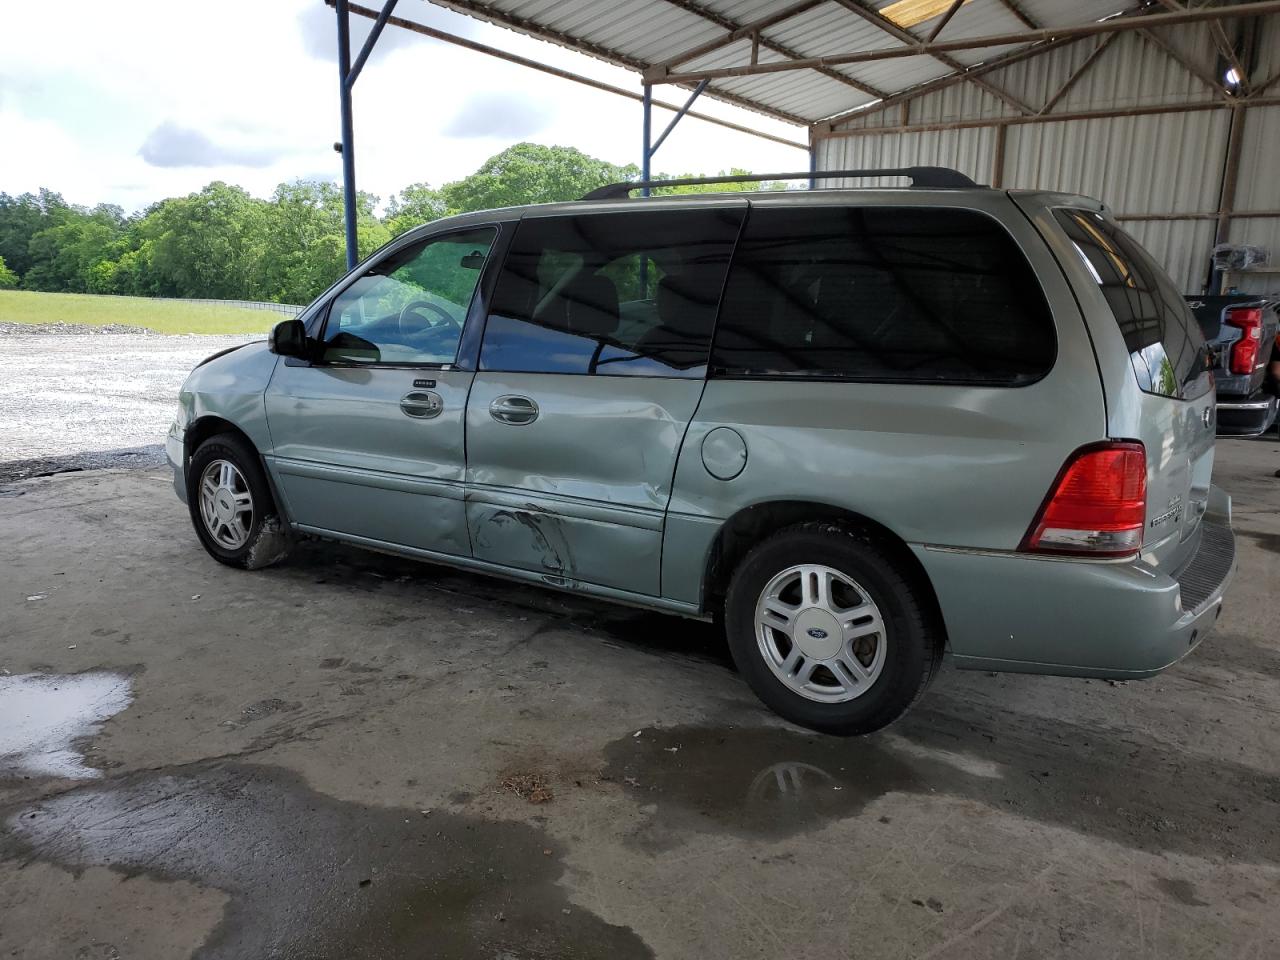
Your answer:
<point x="853" y="196"/>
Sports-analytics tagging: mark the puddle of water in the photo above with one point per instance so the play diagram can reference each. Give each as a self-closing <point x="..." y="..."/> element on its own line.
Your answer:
<point x="311" y="876"/>
<point x="42" y="716"/>
<point x="776" y="782"/>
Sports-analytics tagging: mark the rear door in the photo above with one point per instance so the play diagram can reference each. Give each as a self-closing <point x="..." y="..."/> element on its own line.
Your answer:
<point x="593" y="362"/>
<point x="1173" y="410"/>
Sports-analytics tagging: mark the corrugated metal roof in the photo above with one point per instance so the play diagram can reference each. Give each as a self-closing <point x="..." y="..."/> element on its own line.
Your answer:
<point x="641" y="33"/>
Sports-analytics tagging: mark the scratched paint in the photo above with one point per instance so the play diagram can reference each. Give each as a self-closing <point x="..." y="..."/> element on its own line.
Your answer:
<point x="44" y="716"/>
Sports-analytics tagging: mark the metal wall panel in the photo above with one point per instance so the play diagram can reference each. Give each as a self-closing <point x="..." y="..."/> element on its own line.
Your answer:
<point x="1258" y="188"/>
<point x="1154" y="164"/>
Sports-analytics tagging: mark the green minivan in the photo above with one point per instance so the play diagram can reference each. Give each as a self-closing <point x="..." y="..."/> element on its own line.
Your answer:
<point x="862" y="428"/>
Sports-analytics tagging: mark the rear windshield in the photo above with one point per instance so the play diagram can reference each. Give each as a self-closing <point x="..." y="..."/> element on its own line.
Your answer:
<point x="1166" y="346"/>
<point x="915" y="294"/>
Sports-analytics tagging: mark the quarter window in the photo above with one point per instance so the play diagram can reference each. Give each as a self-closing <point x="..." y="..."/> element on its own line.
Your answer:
<point x="1166" y="346"/>
<point x="620" y="294"/>
<point x="882" y="294"/>
<point x="411" y="307"/>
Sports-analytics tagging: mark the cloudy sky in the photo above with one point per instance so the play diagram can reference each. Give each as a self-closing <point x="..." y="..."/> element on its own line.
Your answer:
<point x="153" y="98"/>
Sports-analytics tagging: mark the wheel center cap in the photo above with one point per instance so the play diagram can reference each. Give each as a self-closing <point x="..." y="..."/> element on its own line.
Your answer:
<point x="224" y="505"/>
<point x="817" y="634"/>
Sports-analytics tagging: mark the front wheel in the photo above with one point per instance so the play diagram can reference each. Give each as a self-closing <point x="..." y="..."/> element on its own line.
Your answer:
<point x="231" y="504"/>
<point x="829" y="630"/>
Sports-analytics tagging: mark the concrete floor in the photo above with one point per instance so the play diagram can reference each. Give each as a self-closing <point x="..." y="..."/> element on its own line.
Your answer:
<point x="351" y="756"/>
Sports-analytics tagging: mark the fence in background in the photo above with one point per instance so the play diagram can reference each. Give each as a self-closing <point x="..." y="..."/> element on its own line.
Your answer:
<point x="288" y="309"/>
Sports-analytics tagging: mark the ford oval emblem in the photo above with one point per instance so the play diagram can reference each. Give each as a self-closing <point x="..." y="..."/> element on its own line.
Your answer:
<point x="816" y="633"/>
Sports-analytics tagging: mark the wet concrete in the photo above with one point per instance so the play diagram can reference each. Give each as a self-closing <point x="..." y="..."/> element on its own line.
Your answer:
<point x="287" y="724"/>
<point x="774" y="783"/>
<point x="309" y="876"/>
<point x="44" y="717"/>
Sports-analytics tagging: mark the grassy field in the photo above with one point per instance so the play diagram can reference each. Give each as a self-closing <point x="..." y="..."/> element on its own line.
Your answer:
<point x="25" y="306"/>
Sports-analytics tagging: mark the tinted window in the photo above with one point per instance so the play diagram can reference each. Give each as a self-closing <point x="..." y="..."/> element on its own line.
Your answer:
<point x="885" y="294"/>
<point x="626" y="294"/>
<point x="410" y="307"/>
<point x="1166" y="346"/>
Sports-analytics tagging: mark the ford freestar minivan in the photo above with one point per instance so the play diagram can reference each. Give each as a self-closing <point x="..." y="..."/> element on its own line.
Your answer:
<point x="864" y="428"/>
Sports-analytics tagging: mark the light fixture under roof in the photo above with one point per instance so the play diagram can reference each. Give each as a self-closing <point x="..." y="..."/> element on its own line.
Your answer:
<point x="907" y="13"/>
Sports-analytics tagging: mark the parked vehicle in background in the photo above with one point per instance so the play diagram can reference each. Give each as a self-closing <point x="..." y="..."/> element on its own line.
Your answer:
<point x="860" y="427"/>
<point x="1240" y="330"/>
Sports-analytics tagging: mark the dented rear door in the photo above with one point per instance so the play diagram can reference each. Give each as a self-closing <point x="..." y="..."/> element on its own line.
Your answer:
<point x="593" y="363"/>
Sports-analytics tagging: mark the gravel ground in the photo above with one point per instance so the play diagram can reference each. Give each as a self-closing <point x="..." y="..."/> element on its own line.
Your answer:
<point x="79" y="398"/>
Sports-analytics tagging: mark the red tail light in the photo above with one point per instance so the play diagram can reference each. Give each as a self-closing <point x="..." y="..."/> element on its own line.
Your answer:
<point x="1244" y="352"/>
<point x="1098" y="506"/>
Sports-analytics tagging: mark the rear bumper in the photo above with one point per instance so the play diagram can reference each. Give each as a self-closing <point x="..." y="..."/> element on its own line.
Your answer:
<point x="1012" y="612"/>
<point x="1246" y="417"/>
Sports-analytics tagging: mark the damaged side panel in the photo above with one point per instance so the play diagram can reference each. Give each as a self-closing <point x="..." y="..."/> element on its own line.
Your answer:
<point x="565" y="542"/>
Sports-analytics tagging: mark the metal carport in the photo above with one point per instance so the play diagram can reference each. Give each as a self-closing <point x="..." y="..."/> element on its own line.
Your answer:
<point x="1169" y="113"/>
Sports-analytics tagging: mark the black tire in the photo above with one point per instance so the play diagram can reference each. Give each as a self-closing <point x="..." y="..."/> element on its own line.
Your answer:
<point x="268" y="540"/>
<point x="913" y="641"/>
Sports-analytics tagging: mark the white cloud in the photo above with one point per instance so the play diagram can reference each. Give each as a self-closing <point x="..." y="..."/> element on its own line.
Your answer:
<point x="243" y="81"/>
<point x="171" y="145"/>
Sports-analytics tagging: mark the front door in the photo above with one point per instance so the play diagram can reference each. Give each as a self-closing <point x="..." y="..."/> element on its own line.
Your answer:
<point x="593" y="362"/>
<point x="368" y="435"/>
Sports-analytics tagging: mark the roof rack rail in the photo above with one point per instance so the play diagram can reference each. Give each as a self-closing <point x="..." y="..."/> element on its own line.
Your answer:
<point x="927" y="177"/>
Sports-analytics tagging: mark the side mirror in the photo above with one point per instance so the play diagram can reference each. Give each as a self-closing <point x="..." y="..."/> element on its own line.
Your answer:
<point x="288" y="338"/>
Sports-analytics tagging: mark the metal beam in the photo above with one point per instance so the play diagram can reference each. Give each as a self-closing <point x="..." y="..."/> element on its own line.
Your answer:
<point x="1021" y="14"/>
<point x="726" y="23"/>
<point x="940" y="83"/>
<point x="348" y="136"/>
<point x="1219" y="37"/>
<point x="946" y="18"/>
<point x="997" y="165"/>
<point x="1076" y="74"/>
<point x="1233" y="214"/>
<point x="484" y="11"/>
<point x="1230" y="174"/>
<point x="369" y="42"/>
<point x="1113" y="25"/>
<point x="876" y="18"/>
<point x="747" y="30"/>
<point x="647" y="133"/>
<point x="1196" y="70"/>
<point x="987" y="66"/>
<point x="495" y="52"/>
<point x="697" y="92"/>
<point x="1152" y="110"/>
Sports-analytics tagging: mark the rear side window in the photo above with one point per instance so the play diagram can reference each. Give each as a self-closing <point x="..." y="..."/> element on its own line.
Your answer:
<point x="629" y="294"/>
<point x="891" y="294"/>
<point x="1166" y="345"/>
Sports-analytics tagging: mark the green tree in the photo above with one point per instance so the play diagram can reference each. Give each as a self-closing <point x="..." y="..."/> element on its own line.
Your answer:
<point x="743" y="187"/>
<point x="413" y="206"/>
<point x="532" y="173"/>
<point x="305" y="248"/>
<point x="21" y="218"/>
<point x="207" y="244"/>
<point x="8" y="279"/>
<point x="61" y="257"/>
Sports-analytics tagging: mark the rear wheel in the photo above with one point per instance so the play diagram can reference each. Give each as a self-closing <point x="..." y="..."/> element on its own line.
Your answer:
<point x="829" y="631"/>
<point x="231" y="505"/>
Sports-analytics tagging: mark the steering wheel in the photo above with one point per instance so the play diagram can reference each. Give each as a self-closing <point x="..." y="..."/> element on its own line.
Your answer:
<point x="414" y="306"/>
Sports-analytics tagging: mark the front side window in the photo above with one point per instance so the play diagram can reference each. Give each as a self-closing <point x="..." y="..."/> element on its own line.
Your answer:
<point x="615" y="294"/>
<point x="886" y="294"/>
<point x="411" y="307"/>
<point x="1166" y="346"/>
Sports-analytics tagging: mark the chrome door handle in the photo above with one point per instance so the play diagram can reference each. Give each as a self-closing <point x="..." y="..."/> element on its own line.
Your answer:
<point x="421" y="404"/>
<point x="514" y="410"/>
